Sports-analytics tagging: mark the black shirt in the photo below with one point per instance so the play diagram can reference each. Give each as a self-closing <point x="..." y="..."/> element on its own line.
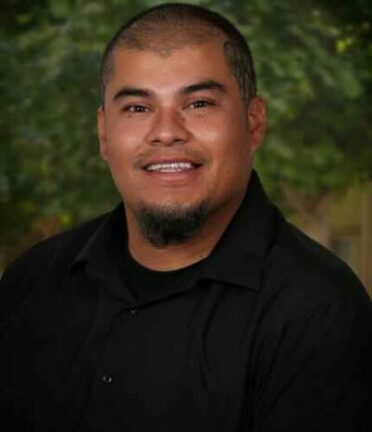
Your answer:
<point x="270" y="333"/>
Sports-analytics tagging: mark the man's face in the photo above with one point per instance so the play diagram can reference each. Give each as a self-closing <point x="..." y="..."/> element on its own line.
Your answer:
<point x="175" y="132"/>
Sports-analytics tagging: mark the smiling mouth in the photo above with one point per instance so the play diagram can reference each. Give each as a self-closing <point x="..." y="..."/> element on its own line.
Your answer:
<point x="171" y="167"/>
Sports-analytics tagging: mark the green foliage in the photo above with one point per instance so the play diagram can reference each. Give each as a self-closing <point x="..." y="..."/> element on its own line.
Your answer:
<point x="314" y="70"/>
<point x="49" y="81"/>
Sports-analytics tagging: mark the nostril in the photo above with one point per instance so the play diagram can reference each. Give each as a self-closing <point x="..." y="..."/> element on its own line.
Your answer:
<point x="167" y="141"/>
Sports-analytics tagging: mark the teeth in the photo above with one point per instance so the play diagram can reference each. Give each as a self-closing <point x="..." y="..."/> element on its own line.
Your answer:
<point x="170" y="167"/>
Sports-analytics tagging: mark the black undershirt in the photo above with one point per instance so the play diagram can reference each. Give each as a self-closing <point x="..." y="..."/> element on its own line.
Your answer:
<point x="142" y="281"/>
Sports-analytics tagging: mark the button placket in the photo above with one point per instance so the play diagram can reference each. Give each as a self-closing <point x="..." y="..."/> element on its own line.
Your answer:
<point x="108" y="378"/>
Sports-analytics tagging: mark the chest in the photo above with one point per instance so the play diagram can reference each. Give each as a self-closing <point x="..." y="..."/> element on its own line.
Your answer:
<point x="179" y="363"/>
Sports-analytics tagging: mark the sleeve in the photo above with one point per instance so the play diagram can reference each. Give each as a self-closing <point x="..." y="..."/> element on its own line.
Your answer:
<point x="313" y="363"/>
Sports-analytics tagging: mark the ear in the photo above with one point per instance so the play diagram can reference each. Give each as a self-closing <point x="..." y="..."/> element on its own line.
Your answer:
<point x="101" y="128"/>
<point x="256" y="121"/>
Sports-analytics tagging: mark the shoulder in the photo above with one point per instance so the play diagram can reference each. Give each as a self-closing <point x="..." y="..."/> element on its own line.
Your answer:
<point x="64" y="245"/>
<point x="312" y="331"/>
<point x="21" y="274"/>
<point x="304" y="281"/>
<point x="311" y="268"/>
<point x="309" y="296"/>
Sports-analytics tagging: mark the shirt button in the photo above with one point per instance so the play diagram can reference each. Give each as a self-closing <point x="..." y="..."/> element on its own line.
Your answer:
<point x="107" y="379"/>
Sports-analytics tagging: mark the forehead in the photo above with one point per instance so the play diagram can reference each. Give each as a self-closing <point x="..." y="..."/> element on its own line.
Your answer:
<point x="171" y="67"/>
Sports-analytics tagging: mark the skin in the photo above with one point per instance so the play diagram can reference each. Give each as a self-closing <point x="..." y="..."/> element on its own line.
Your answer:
<point x="153" y="112"/>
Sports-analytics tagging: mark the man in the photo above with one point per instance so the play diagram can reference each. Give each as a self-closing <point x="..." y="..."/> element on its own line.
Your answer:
<point x="193" y="306"/>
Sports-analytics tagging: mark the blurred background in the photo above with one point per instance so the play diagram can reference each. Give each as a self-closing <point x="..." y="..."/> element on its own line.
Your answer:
<point x="314" y="67"/>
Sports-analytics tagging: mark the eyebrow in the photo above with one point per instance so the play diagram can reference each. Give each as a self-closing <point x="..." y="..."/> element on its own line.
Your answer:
<point x="203" y="85"/>
<point x="129" y="91"/>
<point x="132" y="91"/>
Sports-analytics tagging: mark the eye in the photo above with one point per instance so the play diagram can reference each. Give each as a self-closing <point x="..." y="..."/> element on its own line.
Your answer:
<point x="135" y="108"/>
<point x="201" y="104"/>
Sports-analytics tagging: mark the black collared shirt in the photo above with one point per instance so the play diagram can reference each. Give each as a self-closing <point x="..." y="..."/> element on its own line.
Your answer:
<point x="272" y="333"/>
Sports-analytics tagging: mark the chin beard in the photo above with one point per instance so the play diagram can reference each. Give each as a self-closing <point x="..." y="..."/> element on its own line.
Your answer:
<point x="165" y="225"/>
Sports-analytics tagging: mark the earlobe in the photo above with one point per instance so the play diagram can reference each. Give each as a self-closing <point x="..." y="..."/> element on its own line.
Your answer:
<point x="101" y="128"/>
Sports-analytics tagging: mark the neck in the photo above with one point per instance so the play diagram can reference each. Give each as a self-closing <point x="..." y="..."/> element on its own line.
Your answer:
<point x="177" y="256"/>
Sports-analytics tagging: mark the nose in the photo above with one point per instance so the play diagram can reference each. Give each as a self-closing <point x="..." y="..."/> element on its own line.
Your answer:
<point x="168" y="128"/>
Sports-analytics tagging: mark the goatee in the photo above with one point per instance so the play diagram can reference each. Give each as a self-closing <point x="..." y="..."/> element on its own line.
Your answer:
<point x="165" y="225"/>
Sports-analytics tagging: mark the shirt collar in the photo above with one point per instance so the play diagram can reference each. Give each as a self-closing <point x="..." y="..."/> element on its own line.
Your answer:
<point x="238" y="258"/>
<point x="240" y="255"/>
<point x="99" y="251"/>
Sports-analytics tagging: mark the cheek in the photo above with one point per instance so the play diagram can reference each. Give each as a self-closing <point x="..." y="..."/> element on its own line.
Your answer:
<point x="120" y="143"/>
<point x="226" y="141"/>
<point x="233" y="159"/>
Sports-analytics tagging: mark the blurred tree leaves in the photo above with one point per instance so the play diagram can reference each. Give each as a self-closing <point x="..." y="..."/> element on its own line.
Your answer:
<point x="50" y="169"/>
<point x="314" y="65"/>
<point x="314" y="69"/>
<point x="313" y="60"/>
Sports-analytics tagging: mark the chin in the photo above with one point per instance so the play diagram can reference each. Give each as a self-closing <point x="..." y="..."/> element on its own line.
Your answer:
<point x="171" y="223"/>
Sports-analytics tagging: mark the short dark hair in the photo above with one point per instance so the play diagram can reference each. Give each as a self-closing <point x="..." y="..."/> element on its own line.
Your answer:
<point x="192" y="24"/>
